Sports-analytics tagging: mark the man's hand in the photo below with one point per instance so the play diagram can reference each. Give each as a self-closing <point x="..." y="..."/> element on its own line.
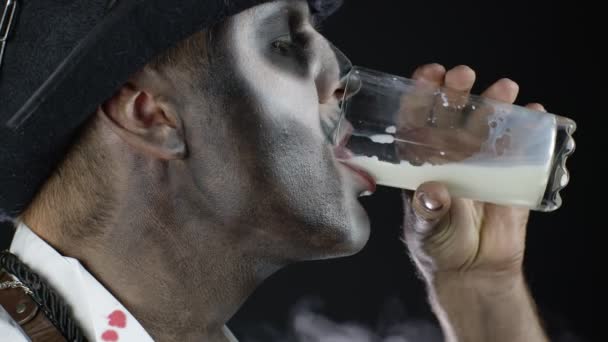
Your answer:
<point x="471" y="253"/>
<point x="448" y="235"/>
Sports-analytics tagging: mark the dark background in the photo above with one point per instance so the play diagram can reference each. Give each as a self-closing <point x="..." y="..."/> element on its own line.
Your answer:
<point x="552" y="51"/>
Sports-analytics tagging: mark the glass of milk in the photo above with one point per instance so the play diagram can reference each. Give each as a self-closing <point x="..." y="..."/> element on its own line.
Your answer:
<point x="405" y="132"/>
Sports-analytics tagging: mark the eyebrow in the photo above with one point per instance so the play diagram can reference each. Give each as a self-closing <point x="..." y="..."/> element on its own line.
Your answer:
<point x="296" y="16"/>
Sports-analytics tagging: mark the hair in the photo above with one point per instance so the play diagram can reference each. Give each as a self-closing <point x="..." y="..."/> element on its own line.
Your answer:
<point x="191" y="53"/>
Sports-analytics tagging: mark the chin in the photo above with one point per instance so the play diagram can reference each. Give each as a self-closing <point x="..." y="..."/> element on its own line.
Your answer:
<point x="345" y="239"/>
<point x="357" y="235"/>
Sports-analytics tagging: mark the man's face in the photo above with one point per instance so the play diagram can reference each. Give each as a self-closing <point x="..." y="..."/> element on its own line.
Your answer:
<point x="259" y="150"/>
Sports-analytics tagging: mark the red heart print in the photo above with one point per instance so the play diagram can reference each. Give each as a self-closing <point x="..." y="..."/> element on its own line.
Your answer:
<point x="110" y="336"/>
<point x="118" y="319"/>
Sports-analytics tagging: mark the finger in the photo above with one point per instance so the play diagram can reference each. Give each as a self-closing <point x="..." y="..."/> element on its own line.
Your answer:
<point x="536" y="106"/>
<point x="430" y="73"/>
<point x="438" y="146"/>
<point x="416" y="103"/>
<point x="444" y="117"/>
<point x="503" y="90"/>
<point x="429" y="204"/>
<point x="458" y="83"/>
<point x="460" y="79"/>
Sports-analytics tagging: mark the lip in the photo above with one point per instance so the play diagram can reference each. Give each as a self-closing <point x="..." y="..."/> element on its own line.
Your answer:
<point x="369" y="180"/>
<point x="343" y="154"/>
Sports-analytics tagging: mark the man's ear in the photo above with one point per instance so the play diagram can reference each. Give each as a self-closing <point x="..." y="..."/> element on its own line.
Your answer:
<point x="146" y="123"/>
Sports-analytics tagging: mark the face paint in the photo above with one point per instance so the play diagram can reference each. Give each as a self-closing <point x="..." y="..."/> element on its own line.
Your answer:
<point x="264" y="155"/>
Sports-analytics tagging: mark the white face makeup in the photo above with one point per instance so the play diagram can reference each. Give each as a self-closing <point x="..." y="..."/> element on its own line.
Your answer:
<point x="279" y="85"/>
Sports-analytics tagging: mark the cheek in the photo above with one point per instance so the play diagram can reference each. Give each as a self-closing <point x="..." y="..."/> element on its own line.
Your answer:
<point x="292" y="143"/>
<point x="285" y="98"/>
<point x="276" y="93"/>
<point x="282" y="117"/>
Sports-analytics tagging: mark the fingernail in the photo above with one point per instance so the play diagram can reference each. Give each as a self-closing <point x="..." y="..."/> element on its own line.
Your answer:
<point x="428" y="202"/>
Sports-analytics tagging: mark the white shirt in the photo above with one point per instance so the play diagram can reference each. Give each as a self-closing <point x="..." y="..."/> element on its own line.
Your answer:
<point x="101" y="316"/>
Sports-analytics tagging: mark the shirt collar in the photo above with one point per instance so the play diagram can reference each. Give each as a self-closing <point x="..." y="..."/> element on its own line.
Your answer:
<point x="100" y="315"/>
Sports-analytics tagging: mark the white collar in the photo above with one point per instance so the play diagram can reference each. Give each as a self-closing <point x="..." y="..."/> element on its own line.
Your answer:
<point x="101" y="316"/>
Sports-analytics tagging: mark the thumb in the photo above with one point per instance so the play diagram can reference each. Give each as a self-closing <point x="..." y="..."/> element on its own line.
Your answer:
<point x="426" y="208"/>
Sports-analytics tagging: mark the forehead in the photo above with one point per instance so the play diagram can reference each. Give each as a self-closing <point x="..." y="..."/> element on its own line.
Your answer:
<point x="312" y="10"/>
<point x="298" y="12"/>
<point x="275" y="10"/>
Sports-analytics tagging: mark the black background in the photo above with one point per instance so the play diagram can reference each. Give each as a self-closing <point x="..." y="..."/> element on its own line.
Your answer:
<point x="552" y="50"/>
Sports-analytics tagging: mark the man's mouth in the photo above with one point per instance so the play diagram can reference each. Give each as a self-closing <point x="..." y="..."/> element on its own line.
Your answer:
<point x="369" y="180"/>
<point x="343" y="155"/>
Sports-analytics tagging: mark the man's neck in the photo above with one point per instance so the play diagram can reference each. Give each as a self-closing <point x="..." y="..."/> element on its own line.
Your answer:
<point x="179" y="282"/>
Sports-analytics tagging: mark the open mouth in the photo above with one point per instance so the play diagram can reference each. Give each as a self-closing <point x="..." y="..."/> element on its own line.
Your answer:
<point x="370" y="183"/>
<point x="342" y="135"/>
<point x="343" y="154"/>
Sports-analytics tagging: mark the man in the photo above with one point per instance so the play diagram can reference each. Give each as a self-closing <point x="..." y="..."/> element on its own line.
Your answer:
<point x="208" y="169"/>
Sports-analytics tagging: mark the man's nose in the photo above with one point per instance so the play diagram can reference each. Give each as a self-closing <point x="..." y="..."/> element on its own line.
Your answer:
<point x="335" y="81"/>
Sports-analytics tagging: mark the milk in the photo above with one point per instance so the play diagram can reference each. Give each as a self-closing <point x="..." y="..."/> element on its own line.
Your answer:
<point x="522" y="185"/>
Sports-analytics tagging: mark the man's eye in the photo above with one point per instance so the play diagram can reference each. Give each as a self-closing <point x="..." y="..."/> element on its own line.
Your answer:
<point x="283" y="46"/>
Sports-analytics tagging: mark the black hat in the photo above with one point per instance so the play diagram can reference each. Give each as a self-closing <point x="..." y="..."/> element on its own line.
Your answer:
<point x="62" y="59"/>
